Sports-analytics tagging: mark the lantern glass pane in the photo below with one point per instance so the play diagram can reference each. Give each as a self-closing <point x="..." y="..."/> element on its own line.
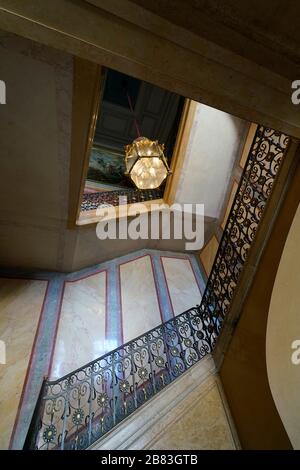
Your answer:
<point x="146" y="147"/>
<point x="131" y="157"/>
<point x="148" y="173"/>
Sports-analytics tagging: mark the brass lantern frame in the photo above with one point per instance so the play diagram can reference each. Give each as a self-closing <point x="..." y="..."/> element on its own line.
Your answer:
<point x="134" y="147"/>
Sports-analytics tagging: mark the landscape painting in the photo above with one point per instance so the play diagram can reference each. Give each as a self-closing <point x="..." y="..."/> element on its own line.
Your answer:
<point x="107" y="166"/>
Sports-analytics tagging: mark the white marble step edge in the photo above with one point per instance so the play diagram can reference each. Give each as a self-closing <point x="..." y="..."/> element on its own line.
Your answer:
<point x="139" y="429"/>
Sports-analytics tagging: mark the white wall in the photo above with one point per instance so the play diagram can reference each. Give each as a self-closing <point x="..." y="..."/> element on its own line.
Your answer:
<point x="35" y="134"/>
<point x="213" y="148"/>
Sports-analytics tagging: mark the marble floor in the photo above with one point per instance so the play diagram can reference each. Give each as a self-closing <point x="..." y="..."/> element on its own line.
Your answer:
<point x="100" y="311"/>
<point x="56" y="323"/>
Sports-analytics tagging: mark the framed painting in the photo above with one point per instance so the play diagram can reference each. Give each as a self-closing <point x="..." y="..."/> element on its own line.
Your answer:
<point x="107" y="166"/>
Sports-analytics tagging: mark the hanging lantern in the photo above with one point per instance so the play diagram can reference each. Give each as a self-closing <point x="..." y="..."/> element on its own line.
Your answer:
<point x="145" y="163"/>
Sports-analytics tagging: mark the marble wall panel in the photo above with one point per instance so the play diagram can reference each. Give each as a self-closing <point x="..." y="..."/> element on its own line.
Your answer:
<point x="21" y="302"/>
<point x="140" y="306"/>
<point x="81" y="330"/>
<point x="182" y="283"/>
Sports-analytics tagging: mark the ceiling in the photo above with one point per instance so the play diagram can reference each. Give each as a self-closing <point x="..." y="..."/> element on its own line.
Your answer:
<point x="157" y="112"/>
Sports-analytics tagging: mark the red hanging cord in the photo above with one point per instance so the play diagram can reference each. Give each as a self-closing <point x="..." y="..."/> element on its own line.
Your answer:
<point x="134" y="118"/>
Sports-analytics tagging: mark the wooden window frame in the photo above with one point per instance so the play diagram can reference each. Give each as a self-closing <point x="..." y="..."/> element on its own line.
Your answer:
<point x="88" y="87"/>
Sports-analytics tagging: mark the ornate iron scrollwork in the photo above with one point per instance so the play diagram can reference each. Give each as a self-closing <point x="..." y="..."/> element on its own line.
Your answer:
<point x="252" y="195"/>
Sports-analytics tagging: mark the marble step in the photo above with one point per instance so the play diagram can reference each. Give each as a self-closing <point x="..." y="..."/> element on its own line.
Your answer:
<point x="190" y="413"/>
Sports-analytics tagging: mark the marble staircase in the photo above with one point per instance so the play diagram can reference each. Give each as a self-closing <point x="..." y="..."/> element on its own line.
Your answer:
<point x="191" y="413"/>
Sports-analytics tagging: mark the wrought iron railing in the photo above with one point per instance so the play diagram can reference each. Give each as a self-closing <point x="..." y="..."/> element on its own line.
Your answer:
<point x="80" y="408"/>
<point x="255" y="187"/>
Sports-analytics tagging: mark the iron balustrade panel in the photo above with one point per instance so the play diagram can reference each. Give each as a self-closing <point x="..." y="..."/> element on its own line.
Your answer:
<point x="255" y="187"/>
<point x="78" y="409"/>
